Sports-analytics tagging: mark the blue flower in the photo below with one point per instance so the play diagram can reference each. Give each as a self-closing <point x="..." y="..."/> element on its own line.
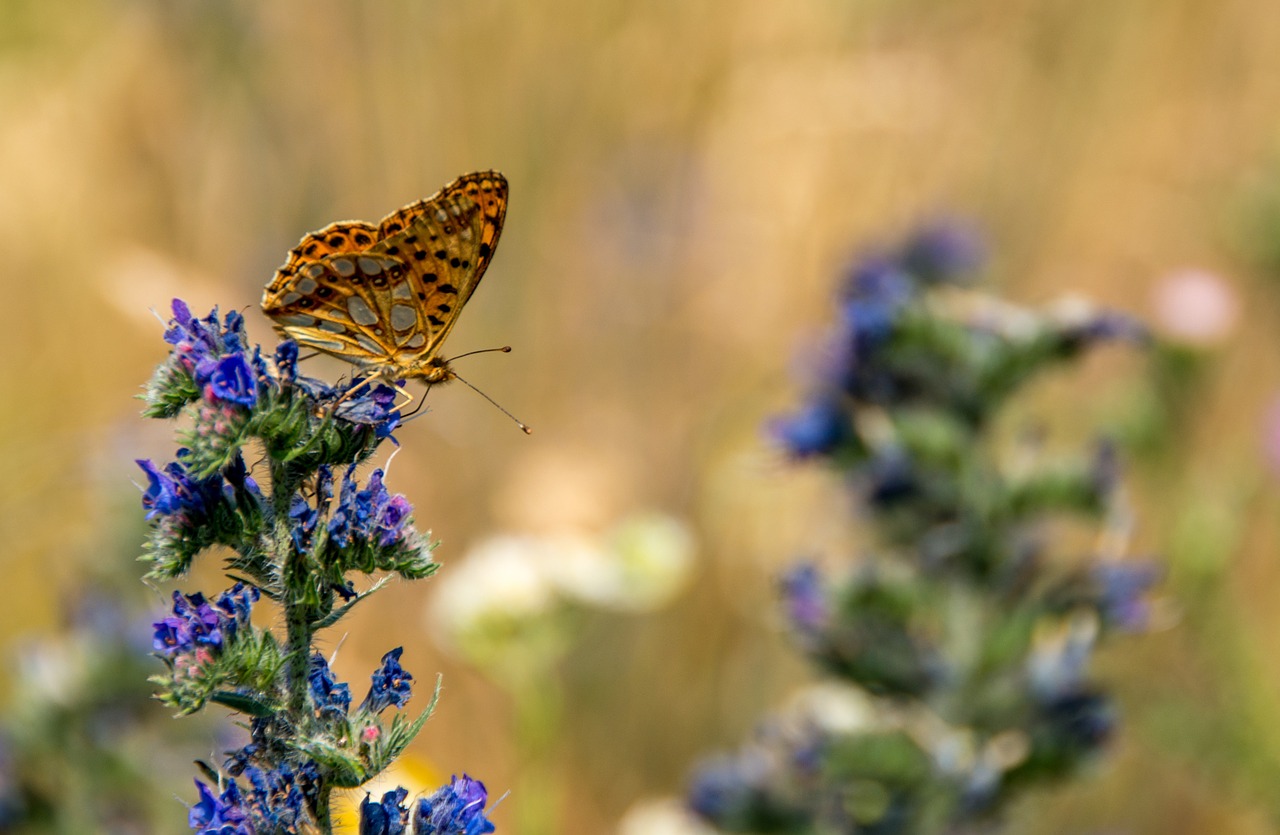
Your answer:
<point x="303" y="519"/>
<point x="237" y="476"/>
<point x="369" y="514"/>
<point x="817" y="428"/>
<point x="237" y="604"/>
<point x="374" y="406"/>
<point x="327" y="694"/>
<point x="1103" y="326"/>
<point x="388" y="817"/>
<point x="280" y="797"/>
<point x="287" y="361"/>
<point x="230" y="379"/>
<point x="806" y="601"/>
<point x="943" y="251"/>
<point x="455" y="809"/>
<point x="391" y="685"/>
<point x="196" y="624"/>
<point x="391" y="520"/>
<point x="225" y="815"/>
<point x="727" y="788"/>
<point x="173" y="492"/>
<point x="1122" y="589"/>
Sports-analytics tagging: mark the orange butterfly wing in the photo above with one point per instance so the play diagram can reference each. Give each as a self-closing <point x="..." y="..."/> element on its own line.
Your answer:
<point x="385" y="297"/>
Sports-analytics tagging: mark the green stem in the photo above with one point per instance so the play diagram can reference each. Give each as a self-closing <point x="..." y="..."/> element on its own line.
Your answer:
<point x="298" y="613"/>
<point x="539" y="717"/>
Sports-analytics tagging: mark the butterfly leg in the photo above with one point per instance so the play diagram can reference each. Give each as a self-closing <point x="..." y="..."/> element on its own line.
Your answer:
<point x="362" y="384"/>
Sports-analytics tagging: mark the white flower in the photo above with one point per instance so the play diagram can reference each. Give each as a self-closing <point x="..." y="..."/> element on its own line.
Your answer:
<point x="662" y="816"/>
<point x="1196" y="307"/>
<point x="501" y="579"/>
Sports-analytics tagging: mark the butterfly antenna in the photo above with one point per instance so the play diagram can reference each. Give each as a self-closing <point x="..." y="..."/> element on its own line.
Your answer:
<point x="523" y="428"/>
<point x="505" y="349"/>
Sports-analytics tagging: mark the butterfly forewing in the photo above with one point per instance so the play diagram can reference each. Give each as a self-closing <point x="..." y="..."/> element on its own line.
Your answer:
<point x="387" y="296"/>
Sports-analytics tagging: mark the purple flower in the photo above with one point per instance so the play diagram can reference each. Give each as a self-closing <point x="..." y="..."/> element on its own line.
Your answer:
<point x="237" y="603"/>
<point x="806" y="601"/>
<point x="374" y="406"/>
<point x="392" y="519"/>
<point x="198" y="625"/>
<point x="371" y="514"/>
<point x="455" y="809"/>
<point x="723" y="790"/>
<point x="225" y="815"/>
<point x="327" y="694"/>
<point x="303" y="519"/>
<point x="173" y="492"/>
<point x="943" y="250"/>
<point x="230" y="379"/>
<point x="287" y="360"/>
<point x="1122" y="590"/>
<point x="279" y="798"/>
<point x="387" y="817"/>
<point x="391" y="685"/>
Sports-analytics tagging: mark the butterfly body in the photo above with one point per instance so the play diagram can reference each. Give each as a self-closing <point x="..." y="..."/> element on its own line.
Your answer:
<point x="385" y="297"/>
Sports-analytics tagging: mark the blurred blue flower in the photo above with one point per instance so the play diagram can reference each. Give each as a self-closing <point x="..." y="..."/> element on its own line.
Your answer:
<point x="1122" y="592"/>
<point x="943" y="250"/>
<point x="455" y="809"/>
<point x="387" y="817"/>
<point x="817" y="428"/>
<point x="391" y="685"/>
<point x="727" y="788"/>
<point x="806" y="601"/>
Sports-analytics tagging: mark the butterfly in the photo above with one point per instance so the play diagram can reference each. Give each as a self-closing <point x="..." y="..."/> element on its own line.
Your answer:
<point x="385" y="297"/>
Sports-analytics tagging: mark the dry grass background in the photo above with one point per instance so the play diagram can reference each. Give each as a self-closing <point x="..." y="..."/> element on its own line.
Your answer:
<point x="687" y="178"/>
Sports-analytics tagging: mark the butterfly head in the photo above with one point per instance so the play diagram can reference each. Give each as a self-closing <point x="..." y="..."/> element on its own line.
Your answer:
<point x="430" y="370"/>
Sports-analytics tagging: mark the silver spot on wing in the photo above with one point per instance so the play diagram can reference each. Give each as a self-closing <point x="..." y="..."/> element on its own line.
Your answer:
<point x="360" y="311"/>
<point x="403" y="317"/>
<point x="301" y="320"/>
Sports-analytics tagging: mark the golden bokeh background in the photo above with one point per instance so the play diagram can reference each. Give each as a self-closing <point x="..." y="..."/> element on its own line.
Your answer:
<point x="687" y="180"/>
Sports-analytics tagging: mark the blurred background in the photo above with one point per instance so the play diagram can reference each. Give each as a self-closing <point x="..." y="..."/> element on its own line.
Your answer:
<point x="687" y="182"/>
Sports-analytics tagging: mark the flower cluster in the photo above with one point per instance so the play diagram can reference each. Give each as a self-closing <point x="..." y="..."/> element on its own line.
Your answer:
<point x="454" y="809"/>
<point x="969" y="640"/>
<point x="295" y="545"/>
<point x="897" y="344"/>
<point x="198" y="625"/>
<point x="214" y="355"/>
<point x="239" y="394"/>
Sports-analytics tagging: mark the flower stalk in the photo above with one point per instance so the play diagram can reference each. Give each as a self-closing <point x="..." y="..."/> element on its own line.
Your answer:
<point x="296" y="544"/>
<point x="962" y="643"/>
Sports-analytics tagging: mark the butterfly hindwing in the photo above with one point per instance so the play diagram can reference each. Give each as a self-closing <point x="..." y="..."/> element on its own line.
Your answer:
<point x="345" y="305"/>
